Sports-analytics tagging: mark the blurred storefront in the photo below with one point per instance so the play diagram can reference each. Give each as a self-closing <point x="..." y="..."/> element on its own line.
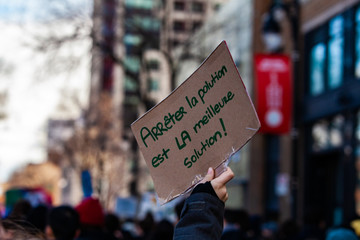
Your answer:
<point x="329" y="112"/>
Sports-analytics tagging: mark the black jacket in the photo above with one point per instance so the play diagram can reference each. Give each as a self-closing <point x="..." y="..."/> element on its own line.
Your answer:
<point x="202" y="216"/>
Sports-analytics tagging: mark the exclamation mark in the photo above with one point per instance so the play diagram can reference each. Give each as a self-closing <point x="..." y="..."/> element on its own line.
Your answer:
<point x="223" y="126"/>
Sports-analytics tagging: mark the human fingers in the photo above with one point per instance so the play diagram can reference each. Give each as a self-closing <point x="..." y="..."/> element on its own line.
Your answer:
<point x="224" y="177"/>
<point x="209" y="176"/>
<point x="219" y="186"/>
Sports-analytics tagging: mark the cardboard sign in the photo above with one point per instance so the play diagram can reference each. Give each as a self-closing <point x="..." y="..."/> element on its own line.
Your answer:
<point x="199" y="125"/>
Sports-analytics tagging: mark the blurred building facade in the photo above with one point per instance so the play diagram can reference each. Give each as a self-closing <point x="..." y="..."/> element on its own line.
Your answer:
<point x="328" y="111"/>
<point x="319" y="156"/>
<point x="181" y="18"/>
<point x="321" y="152"/>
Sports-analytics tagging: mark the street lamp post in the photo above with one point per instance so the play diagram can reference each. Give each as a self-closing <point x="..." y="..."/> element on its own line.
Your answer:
<point x="272" y="34"/>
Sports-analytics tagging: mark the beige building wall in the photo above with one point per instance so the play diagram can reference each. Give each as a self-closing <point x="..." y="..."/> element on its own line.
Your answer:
<point x="182" y="17"/>
<point x="155" y="75"/>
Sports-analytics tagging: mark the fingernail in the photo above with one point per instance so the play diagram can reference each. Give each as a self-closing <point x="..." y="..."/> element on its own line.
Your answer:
<point x="209" y="170"/>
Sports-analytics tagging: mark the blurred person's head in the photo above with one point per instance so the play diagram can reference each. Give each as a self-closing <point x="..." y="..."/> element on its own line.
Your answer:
<point x="64" y="223"/>
<point x="113" y="225"/>
<point x="147" y="224"/>
<point x="288" y="229"/>
<point x="10" y="230"/>
<point x="91" y="212"/>
<point x="37" y="217"/>
<point x="112" y="222"/>
<point x="20" y="210"/>
<point x="164" y="230"/>
<point x="237" y="217"/>
<point x="341" y="234"/>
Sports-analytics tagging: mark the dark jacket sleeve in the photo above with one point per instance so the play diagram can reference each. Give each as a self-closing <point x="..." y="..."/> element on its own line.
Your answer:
<point x="201" y="217"/>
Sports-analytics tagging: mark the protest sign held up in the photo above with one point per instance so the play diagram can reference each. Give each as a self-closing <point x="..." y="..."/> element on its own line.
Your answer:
<point x="199" y="125"/>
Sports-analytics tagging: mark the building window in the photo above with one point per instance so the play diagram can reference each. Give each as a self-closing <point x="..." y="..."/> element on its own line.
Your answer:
<point x="179" y="26"/>
<point x="327" y="134"/>
<point x="357" y="44"/>
<point x="336" y="52"/>
<point x="132" y="64"/>
<point x="152" y="64"/>
<point x="153" y="85"/>
<point x="197" y="7"/>
<point x="175" y="43"/>
<point x="179" y="6"/>
<point x="317" y="69"/>
<point x="217" y="6"/>
<point x="196" y="25"/>
<point x="140" y="4"/>
<point x="130" y="84"/>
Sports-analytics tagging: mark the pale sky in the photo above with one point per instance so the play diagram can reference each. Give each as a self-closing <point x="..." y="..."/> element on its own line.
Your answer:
<point x="31" y="99"/>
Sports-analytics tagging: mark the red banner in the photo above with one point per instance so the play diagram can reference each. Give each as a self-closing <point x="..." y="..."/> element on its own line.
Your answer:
<point x="274" y="92"/>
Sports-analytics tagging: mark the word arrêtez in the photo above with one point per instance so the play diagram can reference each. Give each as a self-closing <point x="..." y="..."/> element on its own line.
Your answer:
<point x="158" y="130"/>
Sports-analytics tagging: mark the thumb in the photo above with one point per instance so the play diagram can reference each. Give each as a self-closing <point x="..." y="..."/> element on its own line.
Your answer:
<point x="209" y="176"/>
<point x="224" y="177"/>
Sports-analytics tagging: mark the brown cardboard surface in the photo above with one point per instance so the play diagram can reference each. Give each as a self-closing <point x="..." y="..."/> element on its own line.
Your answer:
<point x="198" y="126"/>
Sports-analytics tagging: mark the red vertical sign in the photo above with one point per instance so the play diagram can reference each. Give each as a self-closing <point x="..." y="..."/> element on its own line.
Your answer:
<point x="274" y="93"/>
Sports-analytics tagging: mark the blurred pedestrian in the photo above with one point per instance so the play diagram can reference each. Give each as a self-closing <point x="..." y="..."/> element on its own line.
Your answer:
<point x="37" y="217"/>
<point x="269" y="228"/>
<point x="314" y="226"/>
<point x="113" y="227"/>
<point x="91" y="219"/>
<point x="147" y="225"/>
<point x="164" y="230"/>
<point x="64" y="223"/>
<point x="236" y="224"/>
<point x="20" y="210"/>
<point x="289" y="230"/>
<point x="17" y="226"/>
<point x="10" y="230"/>
<point x="203" y="212"/>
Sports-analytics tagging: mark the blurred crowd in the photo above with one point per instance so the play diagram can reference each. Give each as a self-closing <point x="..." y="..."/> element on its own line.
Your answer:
<point x="89" y="221"/>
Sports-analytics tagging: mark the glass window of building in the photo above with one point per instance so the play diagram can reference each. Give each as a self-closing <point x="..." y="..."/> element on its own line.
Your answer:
<point x="336" y="131"/>
<point x="335" y="52"/>
<point x="357" y="44"/>
<point x="152" y="64"/>
<point x="320" y="135"/>
<point x="179" y="5"/>
<point x="175" y="43"/>
<point x="153" y="85"/>
<point x="132" y="39"/>
<point x="317" y="69"/>
<point x="130" y="84"/>
<point x="197" y="7"/>
<point x="142" y="4"/>
<point x="179" y="26"/>
<point x="196" y="25"/>
<point x="132" y="63"/>
<point x="328" y="134"/>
